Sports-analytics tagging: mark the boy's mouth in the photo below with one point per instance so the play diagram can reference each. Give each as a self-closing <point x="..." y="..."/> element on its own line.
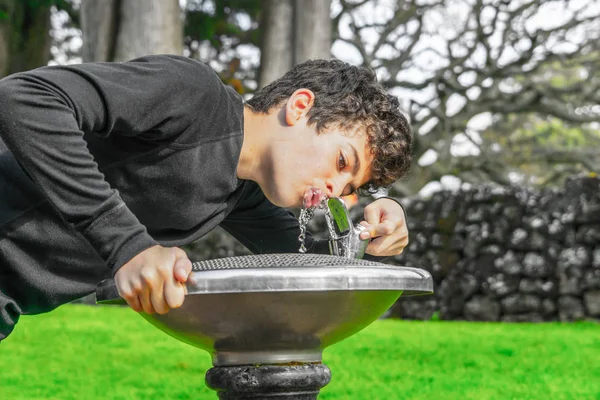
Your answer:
<point x="312" y="197"/>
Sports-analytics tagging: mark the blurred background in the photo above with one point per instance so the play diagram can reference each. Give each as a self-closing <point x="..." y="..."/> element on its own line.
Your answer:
<point x="503" y="96"/>
<point x="502" y="202"/>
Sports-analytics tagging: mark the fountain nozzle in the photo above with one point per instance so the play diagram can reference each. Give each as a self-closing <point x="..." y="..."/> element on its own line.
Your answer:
<point x="345" y="236"/>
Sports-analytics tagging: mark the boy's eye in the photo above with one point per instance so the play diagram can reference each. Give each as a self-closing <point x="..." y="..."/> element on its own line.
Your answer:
<point x="342" y="162"/>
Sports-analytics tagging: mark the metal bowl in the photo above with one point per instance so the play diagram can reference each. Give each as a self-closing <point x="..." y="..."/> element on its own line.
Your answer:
<point x="280" y="308"/>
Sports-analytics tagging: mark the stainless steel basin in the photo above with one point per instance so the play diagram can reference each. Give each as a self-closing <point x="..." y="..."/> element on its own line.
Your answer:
<point x="280" y="308"/>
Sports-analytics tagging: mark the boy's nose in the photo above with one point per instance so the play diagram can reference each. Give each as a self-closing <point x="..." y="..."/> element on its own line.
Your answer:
<point x="333" y="187"/>
<point x="329" y="189"/>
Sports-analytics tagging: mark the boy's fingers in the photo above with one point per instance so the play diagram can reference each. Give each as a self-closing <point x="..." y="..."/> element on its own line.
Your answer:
<point x="174" y="294"/>
<point x="134" y="303"/>
<point x="158" y="299"/>
<point x="182" y="269"/>
<point x="144" y="298"/>
<point x="372" y="215"/>
<point x="376" y="230"/>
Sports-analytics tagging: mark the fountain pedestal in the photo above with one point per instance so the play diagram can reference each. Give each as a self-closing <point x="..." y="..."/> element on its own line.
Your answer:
<point x="281" y="382"/>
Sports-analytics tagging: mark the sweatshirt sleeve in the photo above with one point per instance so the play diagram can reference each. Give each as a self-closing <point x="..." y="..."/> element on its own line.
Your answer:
<point x="44" y="114"/>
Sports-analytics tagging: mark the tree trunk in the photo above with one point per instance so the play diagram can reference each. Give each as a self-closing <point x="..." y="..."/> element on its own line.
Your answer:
<point x="312" y="30"/>
<point x="98" y="28"/>
<point x="120" y="30"/>
<point x="24" y="35"/>
<point x="293" y="31"/>
<point x="276" y="56"/>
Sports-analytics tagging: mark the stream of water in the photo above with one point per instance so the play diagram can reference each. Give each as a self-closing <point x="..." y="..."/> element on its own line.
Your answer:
<point x="306" y="214"/>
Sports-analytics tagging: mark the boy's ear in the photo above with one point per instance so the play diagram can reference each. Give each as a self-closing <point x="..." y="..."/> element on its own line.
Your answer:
<point x="298" y="105"/>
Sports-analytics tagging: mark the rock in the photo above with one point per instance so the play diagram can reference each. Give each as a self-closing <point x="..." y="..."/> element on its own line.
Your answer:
<point x="538" y="222"/>
<point x="556" y="230"/>
<point x="596" y="258"/>
<point x="452" y="309"/>
<point x="548" y="308"/>
<point x="509" y="264"/>
<point x="570" y="237"/>
<point x="575" y="258"/>
<point x="411" y="308"/>
<point x="448" y="216"/>
<point x="439" y="241"/>
<point x="570" y="309"/>
<point x="520" y="303"/>
<point x="588" y="211"/>
<point x="477" y="214"/>
<point x="519" y="239"/>
<point x="492" y="194"/>
<point x="592" y="303"/>
<point x="418" y="243"/>
<point x="538" y="287"/>
<point x="438" y="264"/>
<point x="528" y="317"/>
<point x="457" y="242"/>
<point x="482" y="308"/>
<point x="500" y="285"/>
<point x="552" y="252"/>
<point x="591" y="279"/>
<point x="216" y="244"/>
<point x="510" y="254"/>
<point x="568" y="285"/>
<point x="513" y="214"/>
<point x="482" y="266"/>
<point x="492" y="249"/>
<point x="408" y="259"/>
<point x="568" y="218"/>
<point x="527" y="241"/>
<point x="588" y="234"/>
<point x="469" y="285"/>
<point x="536" y="266"/>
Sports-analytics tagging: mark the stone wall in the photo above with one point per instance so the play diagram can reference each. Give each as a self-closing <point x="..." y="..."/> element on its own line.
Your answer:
<point x="499" y="254"/>
<point x="496" y="254"/>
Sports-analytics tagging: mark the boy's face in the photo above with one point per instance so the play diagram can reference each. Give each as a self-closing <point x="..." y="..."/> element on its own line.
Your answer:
<point x="307" y="167"/>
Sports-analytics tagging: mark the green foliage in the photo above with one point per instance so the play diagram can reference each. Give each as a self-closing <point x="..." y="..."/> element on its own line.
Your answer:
<point x="543" y="151"/>
<point x="40" y="3"/>
<point x="217" y="21"/>
<point x="554" y="133"/>
<point x="5" y="10"/>
<point x="77" y="352"/>
<point x="223" y="25"/>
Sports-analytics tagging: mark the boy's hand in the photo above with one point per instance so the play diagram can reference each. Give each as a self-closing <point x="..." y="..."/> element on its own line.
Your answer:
<point x="154" y="280"/>
<point x="386" y="225"/>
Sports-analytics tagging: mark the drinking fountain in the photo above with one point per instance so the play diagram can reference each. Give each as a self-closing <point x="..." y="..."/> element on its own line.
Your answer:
<point x="266" y="319"/>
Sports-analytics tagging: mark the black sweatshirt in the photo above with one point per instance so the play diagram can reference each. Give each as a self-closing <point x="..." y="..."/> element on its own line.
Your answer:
<point x="101" y="161"/>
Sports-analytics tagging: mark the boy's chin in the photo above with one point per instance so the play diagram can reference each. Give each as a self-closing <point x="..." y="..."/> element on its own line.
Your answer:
<point x="284" y="201"/>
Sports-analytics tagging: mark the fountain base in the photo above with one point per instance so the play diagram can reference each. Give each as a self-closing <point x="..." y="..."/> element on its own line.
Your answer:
<point x="282" y="382"/>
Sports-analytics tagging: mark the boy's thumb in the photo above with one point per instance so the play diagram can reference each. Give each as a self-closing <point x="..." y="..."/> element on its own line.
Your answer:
<point x="183" y="268"/>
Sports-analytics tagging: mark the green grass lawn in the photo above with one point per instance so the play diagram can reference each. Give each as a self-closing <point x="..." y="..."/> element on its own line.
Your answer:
<point x="81" y="352"/>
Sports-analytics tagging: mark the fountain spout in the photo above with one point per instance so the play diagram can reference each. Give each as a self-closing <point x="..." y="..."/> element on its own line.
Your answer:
<point x="345" y="236"/>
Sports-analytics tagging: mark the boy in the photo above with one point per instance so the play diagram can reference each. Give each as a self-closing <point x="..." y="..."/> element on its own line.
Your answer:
<point x="106" y="167"/>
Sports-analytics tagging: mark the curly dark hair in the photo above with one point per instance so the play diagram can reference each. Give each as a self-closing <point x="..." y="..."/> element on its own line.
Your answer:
<point x="347" y="96"/>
